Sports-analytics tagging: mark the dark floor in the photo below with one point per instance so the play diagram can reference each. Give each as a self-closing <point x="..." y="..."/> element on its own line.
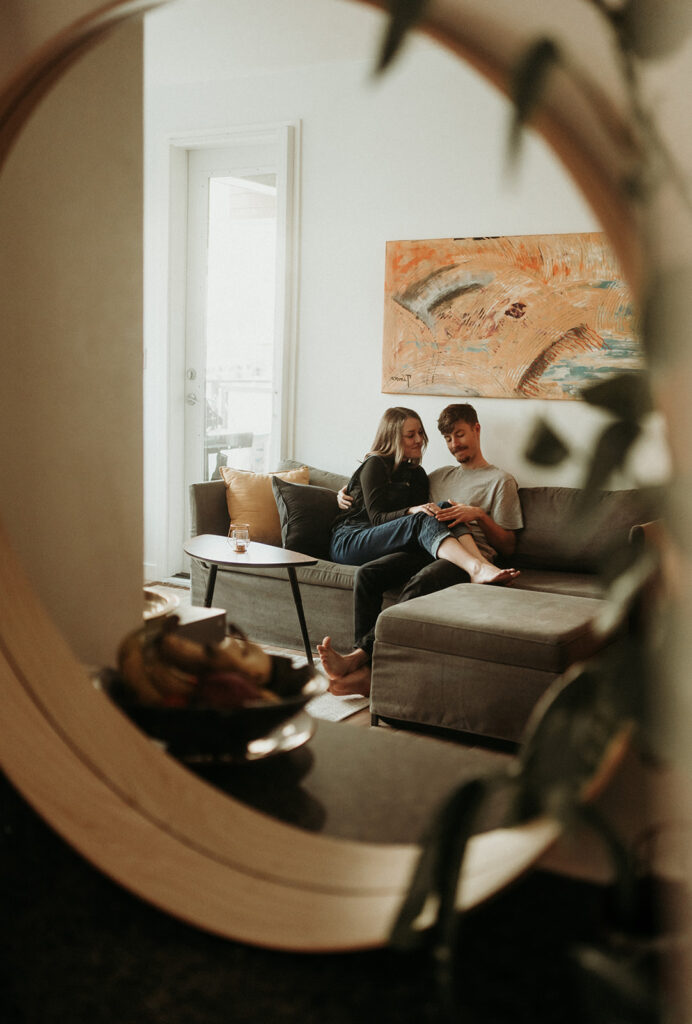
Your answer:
<point x="78" y="948"/>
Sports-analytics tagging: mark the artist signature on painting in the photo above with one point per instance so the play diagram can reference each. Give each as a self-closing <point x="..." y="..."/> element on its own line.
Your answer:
<point x="406" y="379"/>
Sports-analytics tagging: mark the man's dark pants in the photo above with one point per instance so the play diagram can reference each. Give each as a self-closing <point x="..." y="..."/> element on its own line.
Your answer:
<point x="417" y="572"/>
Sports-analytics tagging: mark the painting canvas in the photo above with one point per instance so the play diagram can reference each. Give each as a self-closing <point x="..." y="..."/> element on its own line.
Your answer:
<point x="525" y="316"/>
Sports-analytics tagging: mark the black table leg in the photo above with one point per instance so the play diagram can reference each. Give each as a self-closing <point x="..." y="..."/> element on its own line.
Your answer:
<point x="299" y="608"/>
<point x="211" y="583"/>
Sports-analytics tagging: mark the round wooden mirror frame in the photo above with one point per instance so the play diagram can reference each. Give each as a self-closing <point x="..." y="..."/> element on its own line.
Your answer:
<point x="139" y="815"/>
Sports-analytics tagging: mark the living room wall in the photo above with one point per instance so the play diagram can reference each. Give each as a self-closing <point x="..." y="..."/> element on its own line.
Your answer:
<point x="418" y="154"/>
<point x="70" y="294"/>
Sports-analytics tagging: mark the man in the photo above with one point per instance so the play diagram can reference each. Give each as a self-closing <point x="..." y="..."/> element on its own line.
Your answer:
<point x="480" y="495"/>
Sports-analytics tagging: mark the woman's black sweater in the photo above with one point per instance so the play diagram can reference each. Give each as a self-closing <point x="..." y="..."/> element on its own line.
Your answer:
<point x="381" y="493"/>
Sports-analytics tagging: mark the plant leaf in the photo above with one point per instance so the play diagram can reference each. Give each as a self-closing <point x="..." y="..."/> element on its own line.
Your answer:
<point x="609" y="454"/>
<point x="437" y="871"/>
<point x="545" y="447"/>
<point x="625" y="590"/>
<point x="653" y="29"/>
<point x="527" y="88"/>
<point x="404" y="15"/>
<point x="626" y="395"/>
<point x="665" y="317"/>
<point x="566" y="743"/>
<point x="618" y="985"/>
<point x="678" y="518"/>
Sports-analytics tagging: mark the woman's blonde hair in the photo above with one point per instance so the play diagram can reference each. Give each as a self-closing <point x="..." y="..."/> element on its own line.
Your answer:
<point x="388" y="439"/>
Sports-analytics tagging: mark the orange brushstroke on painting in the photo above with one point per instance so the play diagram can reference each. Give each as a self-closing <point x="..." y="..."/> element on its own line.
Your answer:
<point x="405" y="264"/>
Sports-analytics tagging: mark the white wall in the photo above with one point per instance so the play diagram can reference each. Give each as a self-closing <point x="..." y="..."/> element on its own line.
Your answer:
<point x="419" y="154"/>
<point x="70" y="390"/>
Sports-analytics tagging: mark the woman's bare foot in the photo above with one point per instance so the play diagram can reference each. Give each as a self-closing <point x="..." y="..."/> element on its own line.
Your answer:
<point x="353" y="684"/>
<point x="489" y="573"/>
<point x="337" y="665"/>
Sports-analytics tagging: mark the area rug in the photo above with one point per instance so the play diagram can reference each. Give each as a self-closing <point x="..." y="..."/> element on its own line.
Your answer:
<point x="327" y="706"/>
<point x="331" y="708"/>
<point x="80" y="948"/>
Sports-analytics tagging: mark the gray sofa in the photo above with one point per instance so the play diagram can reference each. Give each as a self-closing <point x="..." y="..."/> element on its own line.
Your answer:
<point x="260" y="601"/>
<point x="472" y="658"/>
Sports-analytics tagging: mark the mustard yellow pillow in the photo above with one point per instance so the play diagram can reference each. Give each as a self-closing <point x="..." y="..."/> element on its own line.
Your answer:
<point x="250" y="499"/>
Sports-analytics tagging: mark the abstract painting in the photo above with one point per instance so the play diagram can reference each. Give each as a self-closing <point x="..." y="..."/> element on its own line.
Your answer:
<point x="524" y="316"/>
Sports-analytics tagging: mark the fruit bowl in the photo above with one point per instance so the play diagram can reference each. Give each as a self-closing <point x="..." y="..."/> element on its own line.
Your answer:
<point x="231" y="734"/>
<point x="229" y="699"/>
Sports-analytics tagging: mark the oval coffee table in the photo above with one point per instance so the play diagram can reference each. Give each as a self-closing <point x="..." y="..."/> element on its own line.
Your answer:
<point x="217" y="550"/>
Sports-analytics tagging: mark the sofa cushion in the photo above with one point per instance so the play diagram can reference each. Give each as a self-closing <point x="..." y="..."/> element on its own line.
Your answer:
<point x="502" y="625"/>
<point x="322" y="574"/>
<point x="306" y="514"/>
<point x="558" y="535"/>
<point x="552" y="581"/>
<point x="319" y="477"/>
<point x="250" y="500"/>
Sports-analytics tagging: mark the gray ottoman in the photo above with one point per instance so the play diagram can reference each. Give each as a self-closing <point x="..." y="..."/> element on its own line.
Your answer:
<point x="476" y="658"/>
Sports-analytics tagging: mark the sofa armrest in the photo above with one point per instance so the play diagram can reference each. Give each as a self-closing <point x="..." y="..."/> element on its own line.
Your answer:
<point x="646" y="533"/>
<point x="208" y="508"/>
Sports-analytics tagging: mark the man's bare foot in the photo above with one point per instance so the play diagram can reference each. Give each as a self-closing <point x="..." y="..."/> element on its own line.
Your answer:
<point x="353" y="684"/>
<point x="337" y="665"/>
<point x="489" y="573"/>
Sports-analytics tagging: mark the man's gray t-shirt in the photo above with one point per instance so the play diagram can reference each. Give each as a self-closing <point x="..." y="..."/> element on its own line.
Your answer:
<point x="492" y="489"/>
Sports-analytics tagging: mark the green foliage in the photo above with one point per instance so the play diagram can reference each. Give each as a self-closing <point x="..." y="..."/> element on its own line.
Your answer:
<point x="437" y="872"/>
<point x="626" y="395"/>
<point x="576" y="734"/>
<point x="628" y="398"/>
<point x="620" y="986"/>
<point x="545" y="447"/>
<point x="428" y="916"/>
<point x="626" y="574"/>
<point x="574" y="730"/>
<point x="678" y="513"/>
<point x="528" y="88"/>
<point x="582" y="724"/>
<point x="665" y="319"/>
<point x="612" y="448"/>
<point x="651" y="29"/>
<point x="405" y="15"/>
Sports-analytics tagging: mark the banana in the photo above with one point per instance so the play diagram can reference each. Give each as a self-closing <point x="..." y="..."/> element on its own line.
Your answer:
<point x="238" y="655"/>
<point x="229" y="690"/>
<point x="184" y="653"/>
<point x="174" y="687"/>
<point x="133" y="667"/>
<point x="165" y="669"/>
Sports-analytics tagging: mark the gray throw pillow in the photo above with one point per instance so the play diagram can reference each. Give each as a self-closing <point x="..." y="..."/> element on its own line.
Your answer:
<point x="306" y="513"/>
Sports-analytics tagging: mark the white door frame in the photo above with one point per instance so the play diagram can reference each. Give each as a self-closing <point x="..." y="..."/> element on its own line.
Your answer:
<point x="166" y="471"/>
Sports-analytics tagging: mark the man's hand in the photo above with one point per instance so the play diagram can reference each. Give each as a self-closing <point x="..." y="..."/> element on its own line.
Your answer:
<point x="504" y="541"/>
<point x="344" y="499"/>
<point x="459" y="514"/>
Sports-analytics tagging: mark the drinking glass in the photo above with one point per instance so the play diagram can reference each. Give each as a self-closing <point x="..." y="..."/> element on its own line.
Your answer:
<point x="240" y="537"/>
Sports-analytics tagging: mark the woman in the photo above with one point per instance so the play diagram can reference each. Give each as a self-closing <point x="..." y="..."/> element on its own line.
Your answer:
<point x="390" y="511"/>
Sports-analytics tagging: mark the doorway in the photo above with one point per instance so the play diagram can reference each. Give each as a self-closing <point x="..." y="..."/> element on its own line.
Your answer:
<point x="232" y="311"/>
<point x="233" y="351"/>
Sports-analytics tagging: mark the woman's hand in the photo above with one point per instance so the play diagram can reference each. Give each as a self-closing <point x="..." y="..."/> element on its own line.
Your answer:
<point x="344" y="500"/>
<point x="430" y="509"/>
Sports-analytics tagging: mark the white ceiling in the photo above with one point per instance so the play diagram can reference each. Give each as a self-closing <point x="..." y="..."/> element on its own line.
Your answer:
<point x="202" y="40"/>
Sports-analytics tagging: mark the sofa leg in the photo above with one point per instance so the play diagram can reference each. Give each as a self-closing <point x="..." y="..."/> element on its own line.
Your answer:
<point x="374" y="720"/>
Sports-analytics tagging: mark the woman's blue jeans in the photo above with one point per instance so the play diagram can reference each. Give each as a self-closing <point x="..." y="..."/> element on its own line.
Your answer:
<point x="356" y="544"/>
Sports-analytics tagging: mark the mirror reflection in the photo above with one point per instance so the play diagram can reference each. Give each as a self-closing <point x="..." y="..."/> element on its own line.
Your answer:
<point x="316" y="166"/>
